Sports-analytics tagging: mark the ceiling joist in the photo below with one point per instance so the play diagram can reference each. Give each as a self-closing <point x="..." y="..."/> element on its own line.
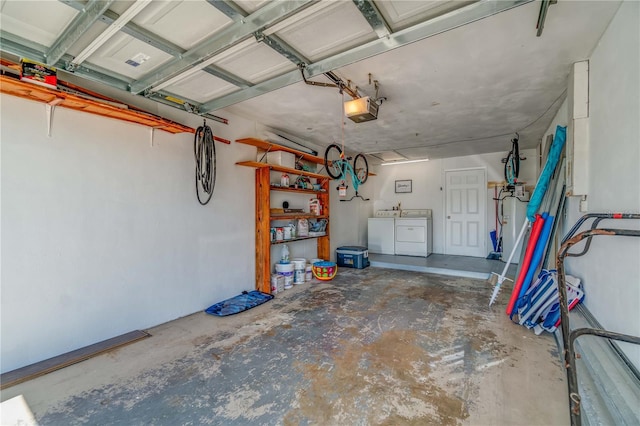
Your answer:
<point x="229" y="8"/>
<point x="233" y="11"/>
<point x="236" y="33"/>
<point x="80" y="25"/>
<point x="139" y="33"/>
<point x="110" y="31"/>
<point x="373" y="16"/>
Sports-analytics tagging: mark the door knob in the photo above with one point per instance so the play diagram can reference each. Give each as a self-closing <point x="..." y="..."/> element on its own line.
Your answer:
<point x="448" y="217"/>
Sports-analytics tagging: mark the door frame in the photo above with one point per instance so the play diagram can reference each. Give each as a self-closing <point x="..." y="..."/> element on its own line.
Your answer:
<point x="444" y="205"/>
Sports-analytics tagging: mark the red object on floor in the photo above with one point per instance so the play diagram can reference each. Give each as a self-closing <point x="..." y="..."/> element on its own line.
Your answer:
<point x="526" y="261"/>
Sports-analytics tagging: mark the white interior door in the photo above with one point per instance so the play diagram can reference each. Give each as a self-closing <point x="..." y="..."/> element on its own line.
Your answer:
<point x="465" y="212"/>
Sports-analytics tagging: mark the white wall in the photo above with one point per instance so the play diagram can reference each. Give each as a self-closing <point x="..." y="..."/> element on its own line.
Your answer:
<point x="428" y="186"/>
<point x="102" y="233"/>
<point x="611" y="268"/>
<point x="349" y="218"/>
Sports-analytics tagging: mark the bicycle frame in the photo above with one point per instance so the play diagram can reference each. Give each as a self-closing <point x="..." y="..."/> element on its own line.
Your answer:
<point x="347" y="169"/>
<point x="340" y="167"/>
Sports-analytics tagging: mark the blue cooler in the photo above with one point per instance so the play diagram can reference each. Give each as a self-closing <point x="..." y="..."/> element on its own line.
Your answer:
<point x="352" y="257"/>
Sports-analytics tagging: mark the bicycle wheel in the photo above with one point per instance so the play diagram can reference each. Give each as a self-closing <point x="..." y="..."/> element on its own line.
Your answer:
<point x="361" y="168"/>
<point x="516" y="158"/>
<point x="332" y="161"/>
<point x="512" y="165"/>
<point x="510" y="174"/>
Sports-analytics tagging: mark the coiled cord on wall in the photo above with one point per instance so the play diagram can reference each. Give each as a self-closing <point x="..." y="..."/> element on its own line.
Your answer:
<point x="204" y="150"/>
<point x="512" y="163"/>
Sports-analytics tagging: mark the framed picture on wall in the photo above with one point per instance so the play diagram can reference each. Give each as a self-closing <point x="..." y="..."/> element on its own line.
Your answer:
<point x="403" y="186"/>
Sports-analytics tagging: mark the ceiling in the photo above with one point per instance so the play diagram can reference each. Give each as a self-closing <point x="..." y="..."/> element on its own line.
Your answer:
<point x="454" y="77"/>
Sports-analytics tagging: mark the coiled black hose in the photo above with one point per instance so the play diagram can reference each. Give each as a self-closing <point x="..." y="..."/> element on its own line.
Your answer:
<point x="204" y="150"/>
<point x="512" y="165"/>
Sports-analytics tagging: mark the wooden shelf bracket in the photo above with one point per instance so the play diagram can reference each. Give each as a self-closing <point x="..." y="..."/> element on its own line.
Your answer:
<point x="49" y="108"/>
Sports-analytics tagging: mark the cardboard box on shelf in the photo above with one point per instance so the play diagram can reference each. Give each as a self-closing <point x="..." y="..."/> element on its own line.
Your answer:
<point x="37" y="73"/>
<point x="281" y="158"/>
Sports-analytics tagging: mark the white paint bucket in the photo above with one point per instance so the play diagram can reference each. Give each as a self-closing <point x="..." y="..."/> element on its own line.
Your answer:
<point x="286" y="270"/>
<point x="298" y="270"/>
<point x="308" y="275"/>
<point x="316" y="260"/>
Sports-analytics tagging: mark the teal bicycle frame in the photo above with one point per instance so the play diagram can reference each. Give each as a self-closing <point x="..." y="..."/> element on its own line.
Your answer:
<point x="339" y="167"/>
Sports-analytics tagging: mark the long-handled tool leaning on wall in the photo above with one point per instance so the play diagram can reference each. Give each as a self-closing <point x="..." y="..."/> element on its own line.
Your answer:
<point x="532" y="218"/>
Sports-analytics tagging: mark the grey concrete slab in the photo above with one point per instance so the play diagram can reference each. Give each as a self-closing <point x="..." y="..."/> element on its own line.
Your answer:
<point x="442" y="264"/>
<point x="373" y="346"/>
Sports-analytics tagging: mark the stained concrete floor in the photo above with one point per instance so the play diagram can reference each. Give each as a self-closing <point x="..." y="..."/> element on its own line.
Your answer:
<point x="372" y="347"/>
<point x="443" y="264"/>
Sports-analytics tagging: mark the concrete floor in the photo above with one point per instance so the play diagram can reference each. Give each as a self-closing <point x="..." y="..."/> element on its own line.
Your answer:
<point x="373" y="346"/>
<point x="442" y="264"/>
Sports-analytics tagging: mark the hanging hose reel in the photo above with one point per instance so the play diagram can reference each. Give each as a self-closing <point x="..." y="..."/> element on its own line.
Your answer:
<point x="204" y="150"/>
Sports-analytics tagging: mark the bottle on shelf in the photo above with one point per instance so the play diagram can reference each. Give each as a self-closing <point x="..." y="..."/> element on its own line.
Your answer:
<point x="315" y="207"/>
<point x="284" y="180"/>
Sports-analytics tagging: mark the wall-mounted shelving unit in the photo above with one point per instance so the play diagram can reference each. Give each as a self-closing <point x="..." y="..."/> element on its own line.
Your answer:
<point x="264" y="216"/>
<point x="54" y="98"/>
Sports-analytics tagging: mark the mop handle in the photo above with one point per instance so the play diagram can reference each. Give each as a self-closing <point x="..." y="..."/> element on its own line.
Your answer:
<point x="515" y="247"/>
<point x="502" y="276"/>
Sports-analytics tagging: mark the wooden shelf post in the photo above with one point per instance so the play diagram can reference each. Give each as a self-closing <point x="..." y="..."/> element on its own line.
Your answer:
<point x="324" y="249"/>
<point x="263" y="238"/>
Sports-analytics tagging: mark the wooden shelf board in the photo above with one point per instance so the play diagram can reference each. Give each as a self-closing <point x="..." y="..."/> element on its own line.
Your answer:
<point x="20" y="375"/>
<point x="297" y="239"/>
<point x="285" y="216"/>
<point x="11" y="86"/>
<point x="308" y="191"/>
<point x="282" y="169"/>
<point x="270" y="146"/>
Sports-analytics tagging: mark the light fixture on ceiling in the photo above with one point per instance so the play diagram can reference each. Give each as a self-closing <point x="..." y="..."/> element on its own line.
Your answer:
<point x="390" y="163"/>
<point x="361" y="109"/>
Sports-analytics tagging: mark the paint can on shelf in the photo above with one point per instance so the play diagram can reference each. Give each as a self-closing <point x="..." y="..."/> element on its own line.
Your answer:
<point x="277" y="283"/>
<point x="287" y="232"/>
<point x="308" y="275"/>
<point x="286" y="270"/>
<point x="279" y="234"/>
<point x="298" y="270"/>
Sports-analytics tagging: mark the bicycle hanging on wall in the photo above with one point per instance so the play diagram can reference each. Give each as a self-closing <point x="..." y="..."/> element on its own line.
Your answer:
<point x="339" y="167"/>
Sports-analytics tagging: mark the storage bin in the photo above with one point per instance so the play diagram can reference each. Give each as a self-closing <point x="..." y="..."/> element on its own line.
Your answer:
<point x="281" y="158"/>
<point x="352" y="257"/>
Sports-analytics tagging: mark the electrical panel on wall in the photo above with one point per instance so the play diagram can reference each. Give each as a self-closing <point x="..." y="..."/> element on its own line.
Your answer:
<point x="578" y="130"/>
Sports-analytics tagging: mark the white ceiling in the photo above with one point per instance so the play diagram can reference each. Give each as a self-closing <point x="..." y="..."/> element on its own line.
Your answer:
<point x="464" y="91"/>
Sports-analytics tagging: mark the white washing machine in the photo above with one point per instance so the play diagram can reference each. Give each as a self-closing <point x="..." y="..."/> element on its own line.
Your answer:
<point x="381" y="232"/>
<point x="414" y="233"/>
